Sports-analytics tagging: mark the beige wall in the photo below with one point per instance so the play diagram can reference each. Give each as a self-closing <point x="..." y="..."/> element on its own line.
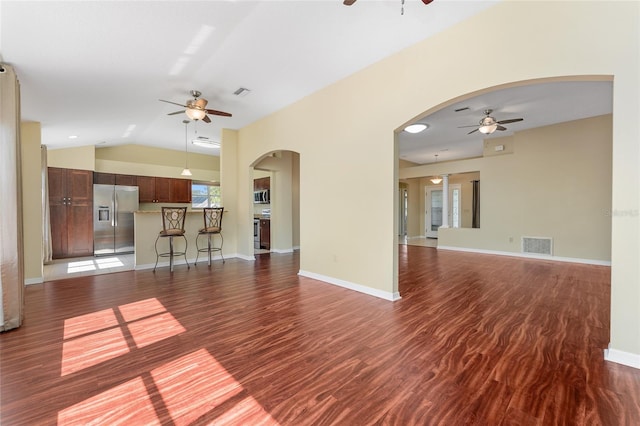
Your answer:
<point x="136" y="160"/>
<point x="148" y="161"/>
<point x="32" y="201"/>
<point x="556" y="183"/>
<point x="361" y="113"/>
<point x="81" y="158"/>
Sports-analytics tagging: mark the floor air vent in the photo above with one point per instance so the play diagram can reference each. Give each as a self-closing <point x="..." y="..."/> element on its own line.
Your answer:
<point x="537" y="245"/>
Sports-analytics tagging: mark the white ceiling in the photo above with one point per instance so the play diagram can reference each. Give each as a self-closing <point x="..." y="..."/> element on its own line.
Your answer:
<point x="97" y="69"/>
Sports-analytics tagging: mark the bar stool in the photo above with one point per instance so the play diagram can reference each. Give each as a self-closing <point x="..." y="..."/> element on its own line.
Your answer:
<point x="172" y="226"/>
<point x="212" y="226"/>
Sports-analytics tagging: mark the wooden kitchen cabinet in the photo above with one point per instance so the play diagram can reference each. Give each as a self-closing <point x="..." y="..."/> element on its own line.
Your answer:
<point x="262" y="184"/>
<point x="265" y="234"/>
<point x="71" y="212"/>
<point x="181" y="190"/>
<point x="127" y="180"/>
<point x="114" y="179"/>
<point x="163" y="190"/>
<point x="104" y="178"/>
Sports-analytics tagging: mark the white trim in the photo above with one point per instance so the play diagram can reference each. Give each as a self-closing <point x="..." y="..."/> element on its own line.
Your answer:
<point x="31" y="281"/>
<point x="242" y="257"/>
<point x="621" y="357"/>
<point x="352" y="286"/>
<point x="282" y="250"/>
<point x="529" y="255"/>
<point x="296" y="248"/>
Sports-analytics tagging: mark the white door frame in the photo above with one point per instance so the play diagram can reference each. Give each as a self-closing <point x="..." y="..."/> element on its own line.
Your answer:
<point x="427" y="208"/>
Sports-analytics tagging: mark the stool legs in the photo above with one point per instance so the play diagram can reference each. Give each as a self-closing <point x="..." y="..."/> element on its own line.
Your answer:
<point x="171" y="253"/>
<point x="210" y="247"/>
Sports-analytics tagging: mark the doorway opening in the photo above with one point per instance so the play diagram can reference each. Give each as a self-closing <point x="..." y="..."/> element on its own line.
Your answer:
<point x="434" y="209"/>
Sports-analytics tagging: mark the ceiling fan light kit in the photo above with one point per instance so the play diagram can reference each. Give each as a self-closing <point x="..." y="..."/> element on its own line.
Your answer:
<point x="488" y="124"/>
<point x="196" y="109"/>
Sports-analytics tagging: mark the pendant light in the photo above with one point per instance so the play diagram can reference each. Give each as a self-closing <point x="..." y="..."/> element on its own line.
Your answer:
<point x="436" y="180"/>
<point x="186" y="171"/>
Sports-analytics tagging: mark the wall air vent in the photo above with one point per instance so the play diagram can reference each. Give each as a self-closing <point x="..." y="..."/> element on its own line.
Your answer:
<point x="537" y="245"/>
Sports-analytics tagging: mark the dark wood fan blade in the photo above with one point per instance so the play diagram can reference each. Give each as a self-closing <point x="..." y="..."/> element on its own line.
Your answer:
<point x="174" y="103"/>
<point x="348" y="2"/>
<point x="512" y="120"/>
<point x="176" y="113"/>
<point x="475" y="130"/>
<point x="214" y="112"/>
<point x="426" y="1"/>
<point x="502" y="128"/>
<point x="206" y="119"/>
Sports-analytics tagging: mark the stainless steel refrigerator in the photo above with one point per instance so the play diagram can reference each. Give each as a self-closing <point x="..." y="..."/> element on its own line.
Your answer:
<point x="113" y="207"/>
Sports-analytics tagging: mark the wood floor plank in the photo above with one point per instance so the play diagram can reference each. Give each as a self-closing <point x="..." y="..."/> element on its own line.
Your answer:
<point x="475" y="339"/>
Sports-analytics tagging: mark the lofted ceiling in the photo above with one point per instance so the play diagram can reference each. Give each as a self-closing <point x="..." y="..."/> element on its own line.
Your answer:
<point x="97" y="69"/>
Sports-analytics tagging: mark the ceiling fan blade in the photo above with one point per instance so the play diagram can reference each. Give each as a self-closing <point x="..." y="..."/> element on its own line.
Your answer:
<point x="214" y="112"/>
<point x="501" y="128"/>
<point x="174" y="103"/>
<point x="206" y="119"/>
<point x="176" y="113"/>
<point x="475" y="130"/>
<point x="512" y="120"/>
<point x="426" y="1"/>
<point x="348" y="2"/>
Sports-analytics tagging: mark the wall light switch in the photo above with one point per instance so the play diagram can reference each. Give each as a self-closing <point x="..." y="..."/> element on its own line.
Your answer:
<point x="498" y="148"/>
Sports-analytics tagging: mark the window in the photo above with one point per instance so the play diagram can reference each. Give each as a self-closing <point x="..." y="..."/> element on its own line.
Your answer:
<point x="205" y="195"/>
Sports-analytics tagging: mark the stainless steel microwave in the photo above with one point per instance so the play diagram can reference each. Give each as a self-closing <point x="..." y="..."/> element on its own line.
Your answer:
<point x="262" y="197"/>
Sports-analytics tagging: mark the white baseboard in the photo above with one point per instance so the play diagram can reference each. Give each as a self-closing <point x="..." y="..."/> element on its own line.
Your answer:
<point x="282" y="250"/>
<point x="352" y="286"/>
<point x="529" y="255"/>
<point x="30" y="281"/>
<point x="621" y="357"/>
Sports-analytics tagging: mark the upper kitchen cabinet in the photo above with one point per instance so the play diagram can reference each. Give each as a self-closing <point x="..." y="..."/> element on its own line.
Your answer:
<point x="114" y="179"/>
<point x="71" y="212"/>
<point x="262" y="184"/>
<point x="164" y="190"/>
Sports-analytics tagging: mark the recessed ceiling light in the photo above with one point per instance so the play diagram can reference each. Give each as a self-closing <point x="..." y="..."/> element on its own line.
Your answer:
<point x="416" y="128"/>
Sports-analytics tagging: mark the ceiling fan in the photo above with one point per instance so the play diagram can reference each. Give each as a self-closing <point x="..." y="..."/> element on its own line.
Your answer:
<point x="489" y="124"/>
<point x="196" y="108"/>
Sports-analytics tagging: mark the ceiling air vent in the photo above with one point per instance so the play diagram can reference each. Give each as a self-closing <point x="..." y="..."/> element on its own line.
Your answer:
<point x="461" y="109"/>
<point x="242" y="92"/>
<point x="537" y="245"/>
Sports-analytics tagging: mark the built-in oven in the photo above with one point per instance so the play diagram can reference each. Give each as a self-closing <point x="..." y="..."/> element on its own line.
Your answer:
<point x="256" y="233"/>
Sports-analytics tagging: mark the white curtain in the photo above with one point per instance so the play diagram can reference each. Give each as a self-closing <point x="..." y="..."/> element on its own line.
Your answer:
<point x="47" y="251"/>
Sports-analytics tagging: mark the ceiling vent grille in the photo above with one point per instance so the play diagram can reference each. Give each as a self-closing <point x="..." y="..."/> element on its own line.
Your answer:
<point x="537" y="245"/>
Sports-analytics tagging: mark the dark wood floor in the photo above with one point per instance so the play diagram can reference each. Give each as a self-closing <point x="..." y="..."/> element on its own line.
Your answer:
<point x="475" y="339"/>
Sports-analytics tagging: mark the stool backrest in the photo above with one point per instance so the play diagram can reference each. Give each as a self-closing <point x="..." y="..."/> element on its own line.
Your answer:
<point x="173" y="218"/>
<point x="213" y="218"/>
